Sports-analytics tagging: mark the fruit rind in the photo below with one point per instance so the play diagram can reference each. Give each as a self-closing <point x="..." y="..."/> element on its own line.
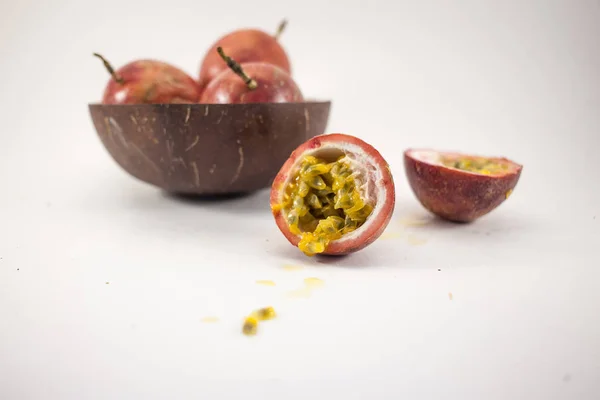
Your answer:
<point x="454" y="194"/>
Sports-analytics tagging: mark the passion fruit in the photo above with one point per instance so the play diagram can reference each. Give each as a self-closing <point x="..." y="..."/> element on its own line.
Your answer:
<point x="460" y="187"/>
<point x="335" y="195"/>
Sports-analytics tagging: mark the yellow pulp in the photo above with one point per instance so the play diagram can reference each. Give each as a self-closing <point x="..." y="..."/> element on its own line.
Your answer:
<point x="323" y="203"/>
<point x="265" y="314"/>
<point x="478" y="165"/>
<point x="250" y="326"/>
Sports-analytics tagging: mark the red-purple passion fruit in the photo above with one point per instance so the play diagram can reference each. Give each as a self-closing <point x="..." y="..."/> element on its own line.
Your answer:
<point x="148" y="82"/>
<point x="245" y="46"/>
<point x="335" y="195"/>
<point x="460" y="187"/>
<point x="253" y="82"/>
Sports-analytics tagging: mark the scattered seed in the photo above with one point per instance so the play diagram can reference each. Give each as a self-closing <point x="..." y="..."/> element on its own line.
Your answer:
<point x="265" y="314"/>
<point x="250" y="327"/>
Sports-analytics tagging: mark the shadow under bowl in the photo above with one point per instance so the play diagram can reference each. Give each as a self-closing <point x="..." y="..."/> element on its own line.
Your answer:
<point x="207" y="149"/>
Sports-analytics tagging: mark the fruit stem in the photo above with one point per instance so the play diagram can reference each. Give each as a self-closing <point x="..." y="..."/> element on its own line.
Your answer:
<point x="110" y="69"/>
<point x="280" y="29"/>
<point x="235" y="67"/>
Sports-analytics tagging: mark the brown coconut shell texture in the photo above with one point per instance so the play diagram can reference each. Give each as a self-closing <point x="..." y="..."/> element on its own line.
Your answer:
<point x="457" y="195"/>
<point x="374" y="230"/>
<point x="206" y="149"/>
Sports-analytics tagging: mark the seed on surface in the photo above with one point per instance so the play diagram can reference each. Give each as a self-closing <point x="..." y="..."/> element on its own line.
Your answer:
<point x="250" y="326"/>
<point x="266" y="313"/>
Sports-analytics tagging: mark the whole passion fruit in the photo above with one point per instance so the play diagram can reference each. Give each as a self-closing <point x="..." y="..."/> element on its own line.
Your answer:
<point x="255" y="82"/>
<point x="245" y="46"/>
<point x="148" y="82"/>
<point x="335" y="195"/>
<point x="460" y="187"/>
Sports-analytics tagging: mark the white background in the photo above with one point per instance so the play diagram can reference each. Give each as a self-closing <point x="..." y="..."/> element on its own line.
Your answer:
<point x="519" y="79"/>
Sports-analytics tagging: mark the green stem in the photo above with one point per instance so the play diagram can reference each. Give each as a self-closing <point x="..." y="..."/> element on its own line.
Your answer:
<point x="280" y="29"/>
<point x="110" y="69"/>
<point x="235" y="67"/>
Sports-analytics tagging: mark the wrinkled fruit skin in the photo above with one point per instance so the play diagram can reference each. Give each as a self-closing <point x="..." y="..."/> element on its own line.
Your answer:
<point x="246" y="45"/>
<point x="367" y="236"/>
<point x="274" y="86"/>
<point x="456" y="195"/>
<point x="151" y="82"/>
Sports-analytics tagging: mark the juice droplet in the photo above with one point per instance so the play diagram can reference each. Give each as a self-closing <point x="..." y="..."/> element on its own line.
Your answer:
<point x="450" y="296"/>
<point x="289" y="267"/>
<point x="391" y="235"/>
<point x="265" y="282"/>
<point x="309" y="285"/>
<point x="418" y="220"/>
<point x="416" y="241"/>
<point x="508" y="193"/>
<point x="210" y="320"/>
<point x="313" y="282"/>
<point x="303" y="293"/>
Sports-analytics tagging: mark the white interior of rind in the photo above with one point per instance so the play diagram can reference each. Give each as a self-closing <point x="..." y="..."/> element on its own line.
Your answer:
<point x="367" y="175"/>
<point x="432" y="157"/>
<point x="427" y="156"/>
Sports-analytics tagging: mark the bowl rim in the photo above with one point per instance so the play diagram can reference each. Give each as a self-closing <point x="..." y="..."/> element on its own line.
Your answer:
<point x="153" y="105"/>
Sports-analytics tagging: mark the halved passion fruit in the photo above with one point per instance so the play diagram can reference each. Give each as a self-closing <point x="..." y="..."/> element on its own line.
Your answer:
<point x="334" y="195"/>
<point x="460" y="187"/>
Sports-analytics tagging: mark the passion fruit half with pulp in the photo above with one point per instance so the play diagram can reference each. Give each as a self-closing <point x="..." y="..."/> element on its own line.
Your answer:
<point x="335" y="195"/>
<point x="460" y="187"/>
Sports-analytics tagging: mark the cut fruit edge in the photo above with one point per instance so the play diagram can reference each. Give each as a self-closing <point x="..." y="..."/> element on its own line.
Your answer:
<point x="378" y="189"/>
<point x="436" y="157"/>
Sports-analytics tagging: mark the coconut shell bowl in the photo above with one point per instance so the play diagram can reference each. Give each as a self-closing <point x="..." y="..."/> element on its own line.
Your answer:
<point x="207" y="149"/>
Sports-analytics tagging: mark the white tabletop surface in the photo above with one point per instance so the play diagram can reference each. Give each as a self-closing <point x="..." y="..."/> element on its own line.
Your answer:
<point x="105" y="281"/>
